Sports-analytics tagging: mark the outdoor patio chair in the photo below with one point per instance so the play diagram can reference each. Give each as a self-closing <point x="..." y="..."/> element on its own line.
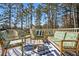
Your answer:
<point x="70" y="43"/>
<point x="57" y="38"/>
<point x="10" y="39"/>
<point x="37" y="36"/>
<point x="24" y="34"/>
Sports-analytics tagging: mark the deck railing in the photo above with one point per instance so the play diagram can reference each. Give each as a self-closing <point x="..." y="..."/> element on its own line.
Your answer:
<point x="60" y="29"/>
<point x="67" y="29"/>
<point x="63" y="29"/>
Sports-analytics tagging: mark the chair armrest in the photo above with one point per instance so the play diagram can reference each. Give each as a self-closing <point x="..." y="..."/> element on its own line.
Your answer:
<point x="7" y="42"/>
<point x="28" y="36"/>
<point x="69" y="41"/>
<point x="13" y="36"/>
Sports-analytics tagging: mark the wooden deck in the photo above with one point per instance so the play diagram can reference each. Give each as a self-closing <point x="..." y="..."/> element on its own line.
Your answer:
<point x="17" y="51"/>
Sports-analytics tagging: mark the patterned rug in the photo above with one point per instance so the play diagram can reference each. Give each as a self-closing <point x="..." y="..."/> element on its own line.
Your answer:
<point x="46" y="50"/>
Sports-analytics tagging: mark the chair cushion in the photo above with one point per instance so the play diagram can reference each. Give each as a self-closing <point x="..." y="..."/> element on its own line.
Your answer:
<point x="37" y="42"/>
<point x="69" y="44"/>
<point x="71" y="36"/>
<point x="12" y="34"/>
<point x="58" y="36"/>
<point x="16" y="41"/>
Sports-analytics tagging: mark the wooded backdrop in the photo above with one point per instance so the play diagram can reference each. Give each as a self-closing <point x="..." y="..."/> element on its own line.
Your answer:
<point x="24" y="16"/>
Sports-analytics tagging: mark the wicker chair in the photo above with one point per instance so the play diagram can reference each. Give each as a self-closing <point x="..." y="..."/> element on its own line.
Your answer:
<point x="10" y="39"/>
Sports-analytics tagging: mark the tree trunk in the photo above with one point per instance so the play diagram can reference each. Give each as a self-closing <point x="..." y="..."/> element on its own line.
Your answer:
<point x="9" y="15"/>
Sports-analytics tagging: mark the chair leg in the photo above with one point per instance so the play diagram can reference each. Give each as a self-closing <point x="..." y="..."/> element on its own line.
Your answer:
<point x="76" y="53"/>
<point x="22" y="50"/>
<point x="25" y="41"/>
<point x="4" y="52"/>
<point x="61" y="53"/>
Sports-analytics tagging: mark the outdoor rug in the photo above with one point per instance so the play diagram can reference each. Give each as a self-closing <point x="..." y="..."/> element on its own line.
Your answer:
<point x="46" y="50"/>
